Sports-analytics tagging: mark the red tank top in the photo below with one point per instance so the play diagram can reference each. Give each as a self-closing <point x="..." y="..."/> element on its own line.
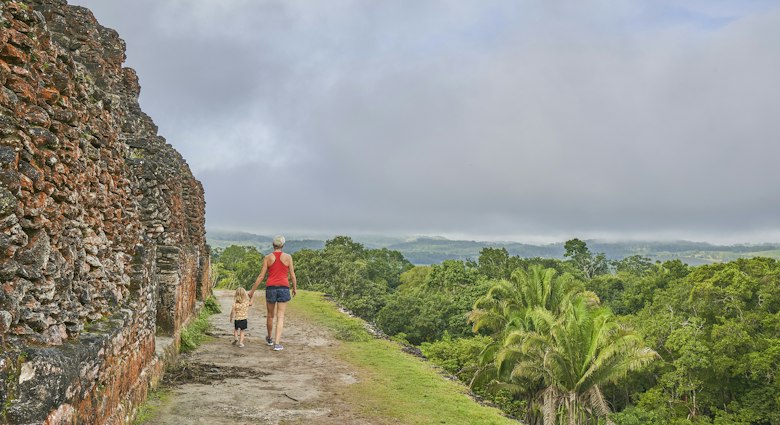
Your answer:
<point x="277" y="273"/>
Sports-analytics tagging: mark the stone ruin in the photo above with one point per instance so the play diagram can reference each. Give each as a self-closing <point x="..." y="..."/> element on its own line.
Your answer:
<point x="102" y="241"/>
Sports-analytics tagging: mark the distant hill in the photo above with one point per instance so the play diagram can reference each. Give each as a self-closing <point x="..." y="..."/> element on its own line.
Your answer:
<point x="693" y="253"/>
<point x="221" y="239"/>
<point x="431" y="250"/>
<point x="427" y="250"/>
<point x="295" y="245"/>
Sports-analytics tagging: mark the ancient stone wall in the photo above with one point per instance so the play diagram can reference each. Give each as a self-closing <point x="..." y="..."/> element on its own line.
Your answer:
<point x="102" y="240"/>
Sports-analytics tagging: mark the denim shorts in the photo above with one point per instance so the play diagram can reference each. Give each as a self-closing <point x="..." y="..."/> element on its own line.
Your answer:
<point x="277" y="294"/>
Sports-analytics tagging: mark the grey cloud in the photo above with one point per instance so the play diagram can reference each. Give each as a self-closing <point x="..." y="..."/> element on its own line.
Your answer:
<point x="488" y="119"/>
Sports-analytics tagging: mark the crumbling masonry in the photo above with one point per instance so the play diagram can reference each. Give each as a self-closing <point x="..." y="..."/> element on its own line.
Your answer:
<point x="102" y="240"/>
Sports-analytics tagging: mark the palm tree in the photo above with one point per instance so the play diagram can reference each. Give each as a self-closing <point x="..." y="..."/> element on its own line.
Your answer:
<point x="573" y="354"/>
<point x="504" y="310"/>
<point x="505" y="306"/>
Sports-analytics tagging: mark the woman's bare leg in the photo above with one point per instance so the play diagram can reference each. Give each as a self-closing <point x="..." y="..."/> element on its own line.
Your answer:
<point x="269" y="317"/>
<point x="279" y="321"/>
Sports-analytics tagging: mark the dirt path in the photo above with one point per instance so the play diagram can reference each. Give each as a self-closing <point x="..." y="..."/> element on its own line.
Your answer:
<point x="224" y="384"/>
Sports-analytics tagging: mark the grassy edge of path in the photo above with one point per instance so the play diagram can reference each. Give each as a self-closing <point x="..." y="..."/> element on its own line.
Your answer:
<point x="394" y="385"/>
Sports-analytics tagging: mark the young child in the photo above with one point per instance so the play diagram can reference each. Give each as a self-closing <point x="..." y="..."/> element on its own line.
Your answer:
<point x="239" y="314"/>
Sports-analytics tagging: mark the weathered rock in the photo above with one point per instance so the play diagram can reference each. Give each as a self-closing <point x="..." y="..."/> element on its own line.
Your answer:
<point x="8" y="155"/>
<point x="102" y="239"/>
<point x="5" y="321"/>
<point x="7" y="202"/>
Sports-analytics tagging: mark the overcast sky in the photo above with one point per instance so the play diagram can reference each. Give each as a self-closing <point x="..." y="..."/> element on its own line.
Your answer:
<point x="525" y="120"/>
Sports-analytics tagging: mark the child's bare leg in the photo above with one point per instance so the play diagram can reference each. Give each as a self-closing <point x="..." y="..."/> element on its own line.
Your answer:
<point x="235" y="333"/>
<point x="279" y="321"/>
<point x="241" y="339"/>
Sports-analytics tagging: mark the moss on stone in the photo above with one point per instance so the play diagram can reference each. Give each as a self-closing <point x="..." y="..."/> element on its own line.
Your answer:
<point x="7" y="202"/>
<point x="12" y="382"/>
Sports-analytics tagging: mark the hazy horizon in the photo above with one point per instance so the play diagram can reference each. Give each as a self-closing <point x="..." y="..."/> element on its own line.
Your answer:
<point x="293" y="235"/>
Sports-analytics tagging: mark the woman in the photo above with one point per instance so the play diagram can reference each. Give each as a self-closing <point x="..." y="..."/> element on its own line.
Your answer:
<point x="277" y="289"/>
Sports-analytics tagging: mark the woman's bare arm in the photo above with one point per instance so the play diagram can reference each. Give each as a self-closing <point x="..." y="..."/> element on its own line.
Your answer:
<point x="260" y="277"/>
<point x="293" y="278"/>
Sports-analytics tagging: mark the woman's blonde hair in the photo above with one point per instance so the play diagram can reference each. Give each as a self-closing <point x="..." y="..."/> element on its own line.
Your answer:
<point x="241" y="295"/>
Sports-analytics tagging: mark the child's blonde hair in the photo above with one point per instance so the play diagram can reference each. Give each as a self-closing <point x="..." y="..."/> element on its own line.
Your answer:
<point x="241" y="296"/>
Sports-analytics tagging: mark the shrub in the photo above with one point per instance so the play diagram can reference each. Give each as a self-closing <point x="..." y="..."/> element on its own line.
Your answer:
<point x="195" y="332"/>
<point x="457" y="356"/>
<point x="211" y="305"/>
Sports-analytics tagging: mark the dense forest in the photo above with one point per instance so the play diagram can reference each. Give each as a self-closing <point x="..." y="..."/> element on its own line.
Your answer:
<point x="584" y="340"/>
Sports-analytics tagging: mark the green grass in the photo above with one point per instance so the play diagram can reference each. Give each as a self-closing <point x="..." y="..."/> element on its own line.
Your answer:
<point x="394" y="385"/>
<point x="195" y="332"/>
<point x="154" y="401"/>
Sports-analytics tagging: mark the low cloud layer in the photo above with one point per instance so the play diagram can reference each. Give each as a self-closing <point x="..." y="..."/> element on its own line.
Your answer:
<point x="508" y="119"/>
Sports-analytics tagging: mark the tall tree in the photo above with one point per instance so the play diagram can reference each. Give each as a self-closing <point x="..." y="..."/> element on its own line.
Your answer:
<point x="504" y="307"/>
<point x="590" y="265"/>
<point x="504" y="310"/>
<point x="493" y="263"/>
<point x="574" y="354"/>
